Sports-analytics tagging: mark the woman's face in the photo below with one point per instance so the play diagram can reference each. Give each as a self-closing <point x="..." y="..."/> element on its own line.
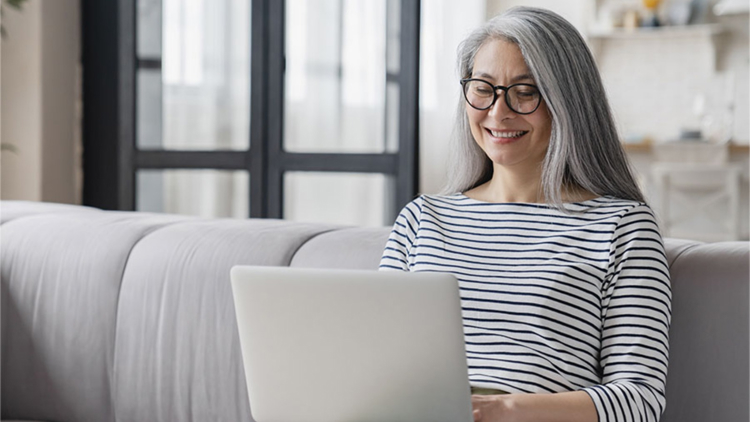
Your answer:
<point x="514" y="141"/>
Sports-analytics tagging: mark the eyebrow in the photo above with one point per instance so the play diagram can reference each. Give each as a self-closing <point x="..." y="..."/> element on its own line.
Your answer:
<point x="513" y="80"/>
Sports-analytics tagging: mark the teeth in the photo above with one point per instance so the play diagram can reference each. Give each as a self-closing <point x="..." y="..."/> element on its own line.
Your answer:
<point x="507" y="134"/>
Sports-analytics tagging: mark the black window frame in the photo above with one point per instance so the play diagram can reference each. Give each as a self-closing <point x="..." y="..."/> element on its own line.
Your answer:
<point x="111" y="158"/>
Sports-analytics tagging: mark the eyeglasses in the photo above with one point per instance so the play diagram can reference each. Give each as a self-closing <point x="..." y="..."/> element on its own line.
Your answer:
<point x="521" y="98"/>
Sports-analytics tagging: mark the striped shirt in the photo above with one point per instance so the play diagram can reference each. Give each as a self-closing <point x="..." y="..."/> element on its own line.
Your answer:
<point x="551" y="301"/>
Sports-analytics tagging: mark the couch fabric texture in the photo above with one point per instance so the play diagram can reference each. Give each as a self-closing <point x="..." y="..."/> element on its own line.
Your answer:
<point x="128" y="316"/>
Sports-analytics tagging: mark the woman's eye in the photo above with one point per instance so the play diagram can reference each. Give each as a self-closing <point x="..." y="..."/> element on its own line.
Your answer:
<point x="527" y="94"/>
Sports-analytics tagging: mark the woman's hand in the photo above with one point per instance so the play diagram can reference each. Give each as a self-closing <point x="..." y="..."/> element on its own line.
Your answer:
<point x="492" y="408"/>
<point x="574" y="406"/>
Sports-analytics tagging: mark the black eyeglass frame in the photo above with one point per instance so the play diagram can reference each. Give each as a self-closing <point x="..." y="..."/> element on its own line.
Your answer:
<point x="494" y="92"/>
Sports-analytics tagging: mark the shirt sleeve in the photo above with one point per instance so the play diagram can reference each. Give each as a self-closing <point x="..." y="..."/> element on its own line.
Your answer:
<point x="636" y="315"/>
<point x="396" y="255"/>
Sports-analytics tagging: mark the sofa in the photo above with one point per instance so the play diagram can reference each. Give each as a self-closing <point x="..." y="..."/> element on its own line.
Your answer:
<point x="128" y="316"/>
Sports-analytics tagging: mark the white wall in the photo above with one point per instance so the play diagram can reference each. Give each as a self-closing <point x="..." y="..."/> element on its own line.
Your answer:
<point x="653" y="82"/>
<point x="20" y="95"/>
<point x="576" y="12"/>
<point x="444" y="25"/>
<point x="40" y="99"/>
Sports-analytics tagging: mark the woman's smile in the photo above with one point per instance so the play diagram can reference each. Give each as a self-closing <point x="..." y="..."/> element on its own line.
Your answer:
<point x="501" y="136"/>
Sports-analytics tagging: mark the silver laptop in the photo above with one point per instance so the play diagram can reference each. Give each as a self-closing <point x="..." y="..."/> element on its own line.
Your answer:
<point x="351" y="346"/>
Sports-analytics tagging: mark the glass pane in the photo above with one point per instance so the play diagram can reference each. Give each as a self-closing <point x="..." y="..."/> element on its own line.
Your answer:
<point x="205" y="72"/>
<point x="392" y="107"/>
<point x="393" y="65"/>
<point x="149" y="109"/>
<point x="149" y="29"/>
<point x="338" y="198"/>
<point x="393" y="29"/>
<point x="335" y="76"/>
<point x="203" y="193"/>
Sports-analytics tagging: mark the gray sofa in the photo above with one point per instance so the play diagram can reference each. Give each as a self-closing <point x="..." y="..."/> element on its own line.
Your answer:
<point x="124" y="316"/>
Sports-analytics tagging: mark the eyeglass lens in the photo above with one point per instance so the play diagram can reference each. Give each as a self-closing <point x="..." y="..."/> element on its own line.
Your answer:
<point x="521" y="98"/>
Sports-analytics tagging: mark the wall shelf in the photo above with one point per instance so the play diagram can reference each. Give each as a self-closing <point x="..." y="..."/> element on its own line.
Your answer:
<point x="707" y="30"/>
<point x="601" y="40"/>
<point x="643" y="147"/>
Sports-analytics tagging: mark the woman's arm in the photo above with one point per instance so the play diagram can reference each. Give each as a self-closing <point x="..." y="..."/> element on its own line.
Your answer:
<point x="397" y="249"/>
<point x="575" y="406"/>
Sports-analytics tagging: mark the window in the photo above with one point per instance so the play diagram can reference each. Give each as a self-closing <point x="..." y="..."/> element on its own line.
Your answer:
<point x="262" y="108"/>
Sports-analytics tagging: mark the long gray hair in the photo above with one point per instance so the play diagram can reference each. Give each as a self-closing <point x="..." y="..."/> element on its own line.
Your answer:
<point x="584" y="149"/>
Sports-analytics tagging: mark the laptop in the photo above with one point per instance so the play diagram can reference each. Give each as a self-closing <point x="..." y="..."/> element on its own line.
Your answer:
<point x="351" y="345"/>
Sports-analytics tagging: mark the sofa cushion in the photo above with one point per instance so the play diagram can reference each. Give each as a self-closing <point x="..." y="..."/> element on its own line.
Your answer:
<point x="177" y="354"/>
<point x="60" y="279"/>
<point x="349" y="248"/>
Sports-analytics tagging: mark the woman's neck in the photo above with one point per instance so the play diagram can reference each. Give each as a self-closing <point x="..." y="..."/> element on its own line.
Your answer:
<point x="519" y="187"/>
<point x="509" y="186"/>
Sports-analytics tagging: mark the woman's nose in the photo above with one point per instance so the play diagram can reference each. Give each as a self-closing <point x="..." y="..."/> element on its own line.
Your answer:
<point x="500" y="108"/>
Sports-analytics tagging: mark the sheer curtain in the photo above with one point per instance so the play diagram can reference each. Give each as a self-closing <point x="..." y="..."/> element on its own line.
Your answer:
<point x="205" y="94"/>
<point x="445" y="24"/>
<point x="206" y="74"/>
<point x="335" y="102"/>
<point x="335" y="76"/>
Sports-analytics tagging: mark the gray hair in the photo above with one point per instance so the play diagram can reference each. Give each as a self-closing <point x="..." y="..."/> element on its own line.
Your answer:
<point x="584" y="149"/>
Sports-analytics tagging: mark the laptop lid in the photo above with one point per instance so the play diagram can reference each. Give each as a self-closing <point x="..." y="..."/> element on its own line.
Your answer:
<point x="347" y="345"/>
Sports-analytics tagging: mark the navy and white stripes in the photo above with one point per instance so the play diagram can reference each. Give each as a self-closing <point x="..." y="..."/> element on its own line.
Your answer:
<point x="551" y="301"/>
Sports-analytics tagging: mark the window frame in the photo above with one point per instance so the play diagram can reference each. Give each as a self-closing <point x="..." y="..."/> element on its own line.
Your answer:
<point x="111" y="157"/>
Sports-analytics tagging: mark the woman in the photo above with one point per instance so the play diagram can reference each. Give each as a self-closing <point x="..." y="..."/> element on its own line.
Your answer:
<point x="564" y="281"/>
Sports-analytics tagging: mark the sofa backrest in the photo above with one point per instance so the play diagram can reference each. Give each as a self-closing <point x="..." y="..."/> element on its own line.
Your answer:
<point x="61" y="276"/>
<point x="129" y="316"/>
<point x="709" y="372"/>
<point x="177" y="354"/>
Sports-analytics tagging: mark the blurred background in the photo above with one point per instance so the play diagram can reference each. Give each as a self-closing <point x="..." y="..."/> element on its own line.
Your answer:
<point x="341" y="110"/>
